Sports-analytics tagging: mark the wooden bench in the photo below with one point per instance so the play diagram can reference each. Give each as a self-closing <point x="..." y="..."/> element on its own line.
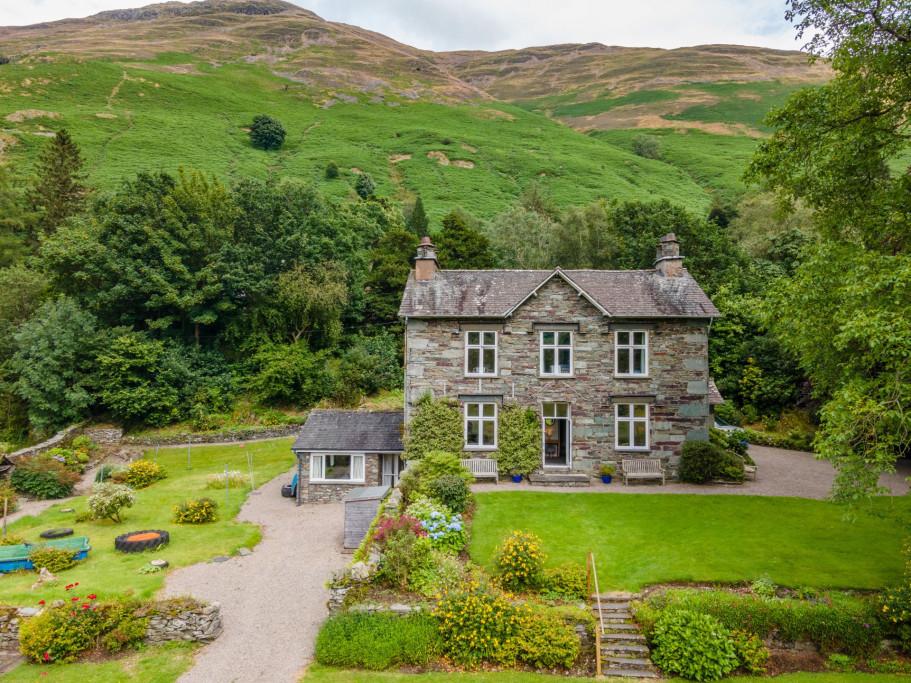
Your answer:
<point x="748" y="469"/>
<point x="482" y="468"/>
<point x="642" y="468"/>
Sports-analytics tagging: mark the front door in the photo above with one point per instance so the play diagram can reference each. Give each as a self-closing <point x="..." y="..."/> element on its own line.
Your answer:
<point x="557" y="435"/>
<point x="390" y="469"/>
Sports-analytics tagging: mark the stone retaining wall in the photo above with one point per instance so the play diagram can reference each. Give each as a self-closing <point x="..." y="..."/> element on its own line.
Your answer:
<point x="44" y="446"/>
<point x="104" y="436"/>
<point x="246" y="434"/>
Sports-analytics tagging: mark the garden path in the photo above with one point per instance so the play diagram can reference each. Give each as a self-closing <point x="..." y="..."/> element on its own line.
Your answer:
<point x="273" y="601"/>
<point x="35" y="506"/>
<point x="792" y="474"/>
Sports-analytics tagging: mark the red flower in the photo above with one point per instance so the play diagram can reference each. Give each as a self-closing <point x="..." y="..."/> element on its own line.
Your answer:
<point x="74" y="599"/>
<point x="70" y="586"/>
<point x="85" y="607"/>
<point x="76" y="584"/>
<point x="72" y="614"/>
<point x="92" y="596"/>
<point x="41" y="602"/>
<point x="47" y="656"/>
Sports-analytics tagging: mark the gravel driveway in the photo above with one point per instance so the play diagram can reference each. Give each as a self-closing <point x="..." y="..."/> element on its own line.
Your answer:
<point x="273" y="601"/>
<point x="781" y="473"/>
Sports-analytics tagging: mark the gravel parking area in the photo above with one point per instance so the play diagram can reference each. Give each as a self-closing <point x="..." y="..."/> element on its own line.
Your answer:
<point x="273" y="601"/>
<point x="781" y="473"/>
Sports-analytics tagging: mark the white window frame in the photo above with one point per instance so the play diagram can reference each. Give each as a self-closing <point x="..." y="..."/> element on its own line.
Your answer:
<point x="480" y="418"/>
<point x="322" y="468"/>
<point x="556" y="346"/>
<point x="633" y="347"/>
<point x="632" y="423"/>
<point x="481" y="346"/>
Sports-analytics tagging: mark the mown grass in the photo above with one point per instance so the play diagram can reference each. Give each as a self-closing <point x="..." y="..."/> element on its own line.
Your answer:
<point x="642" y="539"/>
<point x="112" y="574"/>
<point x="162" y="664"/>
<point x="165" y="119"/>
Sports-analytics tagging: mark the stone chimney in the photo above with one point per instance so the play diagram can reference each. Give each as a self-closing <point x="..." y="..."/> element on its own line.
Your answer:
<point x="425" y="263"/>
<point x="668" y="260"/>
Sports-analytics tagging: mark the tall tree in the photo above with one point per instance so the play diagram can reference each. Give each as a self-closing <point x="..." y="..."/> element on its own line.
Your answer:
<point x="418" y="224"/>
<point x="462" y="246"/>
<point x="59" y="190"/>
<point x="846" y="314"/>
<point x="311" y="299"/>
<point x="392" y="260"/>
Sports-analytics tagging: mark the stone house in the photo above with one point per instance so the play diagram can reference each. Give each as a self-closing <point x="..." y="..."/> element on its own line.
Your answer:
<point x="615" y="363"/>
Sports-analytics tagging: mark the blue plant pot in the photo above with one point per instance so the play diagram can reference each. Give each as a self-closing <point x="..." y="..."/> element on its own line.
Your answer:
<point x="606" y="478"/>
<point x="517" y="478"/>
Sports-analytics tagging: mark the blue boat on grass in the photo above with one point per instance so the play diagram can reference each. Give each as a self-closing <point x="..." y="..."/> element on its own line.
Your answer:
<point x="13" y="557"/>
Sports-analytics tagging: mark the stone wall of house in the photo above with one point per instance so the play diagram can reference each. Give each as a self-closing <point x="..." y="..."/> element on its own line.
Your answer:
<point x="230" y="436"/>
<point x="330" y="492"/>
<point x="676" y="387"/>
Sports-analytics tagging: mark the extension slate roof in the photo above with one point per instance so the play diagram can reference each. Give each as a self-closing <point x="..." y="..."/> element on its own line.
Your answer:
<point x="715" y="397"/>
<point x="498" y="293"/>
<point x="354" y="431"/>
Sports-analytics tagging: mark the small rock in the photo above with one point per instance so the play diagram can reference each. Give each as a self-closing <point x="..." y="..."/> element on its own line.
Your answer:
<point x="27" y="611"/>
<point x="399" y="608"/>
<point x="243" y="552"/>
<point x="360" y="608"/>
<point x="220" y="559"/>
<point x="43" y="577"/>
<point x="359" y="571"/>
<point x="159" y="563"/>
<point x="67" y="510"/>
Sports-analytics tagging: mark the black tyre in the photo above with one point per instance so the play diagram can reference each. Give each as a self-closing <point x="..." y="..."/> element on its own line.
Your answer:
<point x="56" y="533"/>
<point x="138" y="541"/>
<point x="288" y="491"/>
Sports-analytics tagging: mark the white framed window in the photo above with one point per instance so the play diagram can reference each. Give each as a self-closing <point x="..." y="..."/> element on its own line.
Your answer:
<point x="480" y="426"/>
<point x="481" y="354"/>
<point x="336" y="467"/>
<point x="631" y="352"/>
<point x="556" y="354"/>
<point x="631" y="426"/>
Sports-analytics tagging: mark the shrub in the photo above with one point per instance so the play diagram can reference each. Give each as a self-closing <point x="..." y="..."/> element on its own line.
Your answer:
<point x="546" y="641"/>
<point x="451" y="490"/>
<point x="9" y="493"/>
<point x="53" y="559"/>
<point x="519" y="440"/>
<point x="107" y="472"/>
<point x="703" y="461"/>
<point x="108" y="499"/>
<point x="370" y="365"/>
<point x="733" y="442"/>
<point x="122" y="628"/>
<point x="445" y="532"/>
<point x="142" y="473"/>
<point x="896" y="613"/>
<point x="842" y="663"/>
<point x="12" y="539"/>
<point x="436" y="464"/>
<point x="290" y="374"/>
<point x="331" y="170"/>
<point x="41" y="477"/>
<point x="440" y="574"/>
<point x="693" y="645"/>
<point x="647" y="146"/>
<point x="74" y="460"/>
<point x="421" y="506"/>
<point x="364" y="185"/>
<point x="235" y="479"/>
<point x="764" y="587"/>
<point x="199" y="511"/>
<point x="752" y="654"/>
<point x="266" y="132"/>
<point x="518" y="562"/>
<point x="377" y="641"/>
<point x="390" y="525"/>
<point x="84" y="443"/>
<point x="436" y="425"/>
<point x="404" y="554"/>
<point x="569" y="579"/>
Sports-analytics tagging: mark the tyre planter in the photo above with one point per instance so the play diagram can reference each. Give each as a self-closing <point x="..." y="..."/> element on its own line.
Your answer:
<point x="606" y="478"/>
<point x="138" y="541"/>
<point x="517" y="478"/>
<point x="56" y="533"/>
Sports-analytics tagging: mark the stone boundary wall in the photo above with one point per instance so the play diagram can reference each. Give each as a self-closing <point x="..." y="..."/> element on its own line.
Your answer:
<point x="104" y="436"/>
<point x="53" y="442"/>
<point x="246" y="434"/>
<point x="198" y="624"/>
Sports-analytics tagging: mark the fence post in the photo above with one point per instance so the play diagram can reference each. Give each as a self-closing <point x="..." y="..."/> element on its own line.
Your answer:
<point x="188" y="452"/>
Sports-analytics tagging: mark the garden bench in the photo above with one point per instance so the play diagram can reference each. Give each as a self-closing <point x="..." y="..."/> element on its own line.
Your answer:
<point x="642" y="468"/>
<point x="747" y="468"/>
<point x="482" y="467"/>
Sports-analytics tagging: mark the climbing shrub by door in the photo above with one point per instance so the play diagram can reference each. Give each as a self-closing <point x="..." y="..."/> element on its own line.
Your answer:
<point x="519" y="440"/>
<point x="435" y="426"/>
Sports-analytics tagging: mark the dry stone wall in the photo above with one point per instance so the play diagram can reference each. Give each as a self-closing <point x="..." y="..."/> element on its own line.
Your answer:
<point x="45" y="446"/>
<point x="247" y="434"/>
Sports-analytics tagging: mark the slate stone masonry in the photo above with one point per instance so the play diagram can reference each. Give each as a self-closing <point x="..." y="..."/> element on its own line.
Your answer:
<point x="328" y="492"/>
<point x="676" y="387"/>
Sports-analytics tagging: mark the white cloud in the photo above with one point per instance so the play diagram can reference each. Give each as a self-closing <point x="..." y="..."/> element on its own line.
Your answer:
<point x="501" y="24"/>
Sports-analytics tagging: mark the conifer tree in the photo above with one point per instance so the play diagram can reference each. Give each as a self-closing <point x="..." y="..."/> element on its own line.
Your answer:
<point x="463" y="246"/>
<point x="418" y="223"/>
<point x="59" y="191"/>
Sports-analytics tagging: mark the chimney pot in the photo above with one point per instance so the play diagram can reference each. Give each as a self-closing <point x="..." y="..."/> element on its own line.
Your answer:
<point x="668" y="260"/>
<point x="425" y="263"/>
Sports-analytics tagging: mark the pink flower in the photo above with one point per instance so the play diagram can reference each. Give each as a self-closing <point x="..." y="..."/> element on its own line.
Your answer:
<point x="74" y="599"/>
<point x="47" y="656"/>
<point x="92" y="596"/>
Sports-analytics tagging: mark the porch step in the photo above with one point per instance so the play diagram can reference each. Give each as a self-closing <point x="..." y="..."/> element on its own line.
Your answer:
<point x="613" y="606"/>
<point x="613" y="617"/>
<point x="556" y="479"/>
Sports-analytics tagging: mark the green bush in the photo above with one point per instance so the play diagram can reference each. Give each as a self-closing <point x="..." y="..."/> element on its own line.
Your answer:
<point x="519" y="439"/>
<point x="445" y="531"/>
<point x="518" y="562"/>
<point x="752" y="654"/>
<point x="9" y="493"/>
<point x="442" y="573"/>
<point x="53" y="559"/>
<point x="199" y="511"/>
<point x="703" y="461"/>
<point x="42" y="477"/>
<point x="267" y="132"/>
<point x="291" y="374"/>
<point x="142" y="473"/>
<point x="377" y="641"/>
<point x="74" y="460"/>
<point x="122" y="628"/>
<point x="11" y="539"/>
<point x="692" y="645"/>
<point x="404" y="554"/>
<point x="421" y="506"/>
<point x="105" y="472"/>
<point x="369" y="366"/>
<point x="364" y="185"/>
<point x="436" y="464"/>
<point x="646" y="146"/>
<point x="84" y="443"/>
<point x="108" y="499"/>
<point x="546" y="641"/>
<point x="569" y="579"/>
<point x="451" y="490"/>
<point x="331" y="170"/>
<point x="436" y="425"/>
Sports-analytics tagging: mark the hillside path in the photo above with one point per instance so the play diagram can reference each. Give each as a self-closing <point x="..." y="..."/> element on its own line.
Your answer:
<point x="273" y="601"/>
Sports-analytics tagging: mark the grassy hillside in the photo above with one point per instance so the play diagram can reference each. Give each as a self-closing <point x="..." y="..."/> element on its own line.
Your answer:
<point x="131" y="116"/>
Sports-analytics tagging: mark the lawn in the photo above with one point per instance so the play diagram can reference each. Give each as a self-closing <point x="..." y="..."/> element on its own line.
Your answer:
<point x="321" y="674"/>
<point x="642" y="539"/>
<point x="162" y="664"/>
<point x="112" y="574"/>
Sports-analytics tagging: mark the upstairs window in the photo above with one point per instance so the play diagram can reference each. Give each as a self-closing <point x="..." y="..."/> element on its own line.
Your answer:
<point x="481" y="354"/>
<point x="631" y="422"/>
<point x="632" y="353"/>
<point x="480" y="426"/>
<point x="556" y="353"/>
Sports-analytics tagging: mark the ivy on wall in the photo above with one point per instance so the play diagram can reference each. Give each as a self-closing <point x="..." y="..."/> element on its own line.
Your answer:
<point x="519" y="440"/>
<point x="435" y="426"/>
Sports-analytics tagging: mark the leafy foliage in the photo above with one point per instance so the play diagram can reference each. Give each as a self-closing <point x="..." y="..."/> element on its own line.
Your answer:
<point x="693" y="645"/>
<point x="441" y="573"/>
<point x="518" y="562"/>
<point x="404" y="554"/>
<point x="364" y="185"/>
<point x="59" y="190"/>
<point x="569" y="579"/>
<point x="646" y="146"/>
<point x="43" y="477"/>
<point x="435" y="425"/>
<point x="452" y="490"/>
<point x="53" y="559"/>
<point x="108" y="499"/>
<point x="545" y="641"/>
<point x="267" y="132"/>
<point x="519" y="438"/>
<point x="198" y="511"/>
<point x="446" y="531"/>
<point x="752" y="654"/>
<point x="703" y="461"/>
<point x="141" y="473"/>
<point x="377" y="641"/>
<point x="461" y="245"/>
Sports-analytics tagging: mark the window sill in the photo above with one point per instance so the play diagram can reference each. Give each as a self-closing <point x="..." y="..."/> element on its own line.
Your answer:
<point x="632" y="449"/>
<point x="337" y="481"/>
<point x="545" y="376"/>
<point x="473" y="375"/>
<point x="479" y="448"/>
<point x="617" y="375"/>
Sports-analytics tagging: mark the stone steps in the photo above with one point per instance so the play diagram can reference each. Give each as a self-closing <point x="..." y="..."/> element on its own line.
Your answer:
<point x="620" y="649"/>
<point x="624" y="652"/>
<point x="623" y="637"/>
<point x="629" y="673"/>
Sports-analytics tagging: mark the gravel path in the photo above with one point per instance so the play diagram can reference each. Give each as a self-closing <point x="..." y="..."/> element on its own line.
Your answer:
<point x="781" y="473"/>
<point x="273" y="601"/>
<point x="36" y="506"/>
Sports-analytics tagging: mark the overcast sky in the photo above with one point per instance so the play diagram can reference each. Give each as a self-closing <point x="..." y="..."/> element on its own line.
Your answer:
<point x="501" y="24"/>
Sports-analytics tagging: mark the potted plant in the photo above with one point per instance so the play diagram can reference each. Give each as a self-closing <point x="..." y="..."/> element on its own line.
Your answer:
<point x="607" y="473"/>
<point x="517" y="478"/>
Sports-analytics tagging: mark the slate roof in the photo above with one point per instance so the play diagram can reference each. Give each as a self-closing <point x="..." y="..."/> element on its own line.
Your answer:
<point x="497" y="293"/>
<point x="715" y="397"/>
<point x="354" y="431"/>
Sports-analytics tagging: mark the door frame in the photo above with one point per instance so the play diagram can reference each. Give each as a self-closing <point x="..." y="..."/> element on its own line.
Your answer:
<point x="397" y="468"/>
<point x="569" y="435"/>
